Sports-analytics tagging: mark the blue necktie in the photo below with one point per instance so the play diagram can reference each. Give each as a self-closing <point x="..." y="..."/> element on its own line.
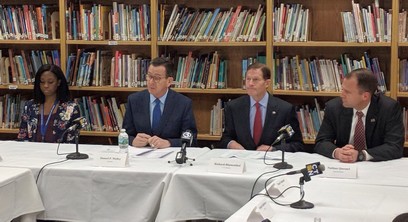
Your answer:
<point x="156" y="115"/>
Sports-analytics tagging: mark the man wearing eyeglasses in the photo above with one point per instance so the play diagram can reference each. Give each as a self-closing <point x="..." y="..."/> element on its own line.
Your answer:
<point x="158" y="116"/>
<point x="252" y="121"/>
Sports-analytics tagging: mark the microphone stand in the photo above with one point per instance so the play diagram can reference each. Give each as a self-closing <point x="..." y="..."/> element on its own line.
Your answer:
<point x="77" y="155"/>
<point x="181" y="158"/>
<point x="302" y="204"/>
<point x="283" y="164"/>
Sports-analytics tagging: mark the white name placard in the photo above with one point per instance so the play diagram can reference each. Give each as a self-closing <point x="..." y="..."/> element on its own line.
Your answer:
<point x="277" y="186"/>
<point x="107" y="159"/>
<point x="227" y="165"/>
<point x="345" y="171"/>
<point x="261" y="211"/>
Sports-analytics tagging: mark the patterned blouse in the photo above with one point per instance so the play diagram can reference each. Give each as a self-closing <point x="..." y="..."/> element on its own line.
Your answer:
<point x="30" y="124"/>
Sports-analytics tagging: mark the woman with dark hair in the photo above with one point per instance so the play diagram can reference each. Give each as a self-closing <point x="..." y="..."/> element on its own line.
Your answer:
<point x="50" y="113"/>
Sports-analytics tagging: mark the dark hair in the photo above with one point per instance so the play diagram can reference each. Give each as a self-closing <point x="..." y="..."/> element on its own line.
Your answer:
<point x="366" y="80"/>
<point x="168" y="65"/>
<point x="266" y="72"/>
<point x="63" y="93"/>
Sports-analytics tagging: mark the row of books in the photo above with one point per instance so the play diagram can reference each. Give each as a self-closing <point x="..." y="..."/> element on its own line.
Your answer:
<point x="29" y="22"/>
<point x="207" y="71"/>
<point x="101" y="113"/>
<point x="216" y="25"/>
<point x="99" y="22"/>
<point x="21" y="68"/>
<point x="316" y="74"/>
<point x="402" y="26"/>
<point x="11" y="107"/>
<point x="405" y="120"/>
<point x="310" y="120"/>
<point x="403" y="75"/>
<point x="291" y="23"/>
<point x="102" y="68"/>
<point x="371" y="24"/>
<point x="217" y="119"/>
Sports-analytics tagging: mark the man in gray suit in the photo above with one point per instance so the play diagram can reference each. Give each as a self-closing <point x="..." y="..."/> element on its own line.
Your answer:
<point x="241" y="114"/>
<point x="158" y="116"/>
<point x="382" y="129"/>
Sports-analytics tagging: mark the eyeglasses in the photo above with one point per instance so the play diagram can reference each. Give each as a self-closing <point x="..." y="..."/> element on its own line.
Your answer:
<point x="156" y="79"/>
<point x="254" y="80"/>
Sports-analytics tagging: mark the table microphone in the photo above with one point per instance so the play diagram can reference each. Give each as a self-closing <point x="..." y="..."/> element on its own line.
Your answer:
<point x="285" y="132"/>
<point x="186" y="140"/>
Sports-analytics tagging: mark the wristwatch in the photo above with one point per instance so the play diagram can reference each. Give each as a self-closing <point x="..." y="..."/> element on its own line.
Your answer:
<point x="361" y="156"/>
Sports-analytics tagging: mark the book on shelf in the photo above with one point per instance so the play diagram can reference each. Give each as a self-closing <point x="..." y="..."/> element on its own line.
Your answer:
<point x="320" y="74"/>
<point x="290" y="23"/>
<point x="371" y="24"/>
<point x="213" y="25"/>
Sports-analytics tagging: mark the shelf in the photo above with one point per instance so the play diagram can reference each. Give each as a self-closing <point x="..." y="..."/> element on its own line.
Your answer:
<point x="403" y="44"/>
<point x="9" y="131"/>
<point x="16" y="87"/>
<point x="402" y="94"/>
<point x="332" y="44"/>
<point x="305" y="93"/>
<point x="115" y="134"/>
<point x="32" y="42"/>
<point x="137" y="89"/>
<point x="309" y="141"/>
<point x="227" y="44"/>
<point x="106" y="42"/>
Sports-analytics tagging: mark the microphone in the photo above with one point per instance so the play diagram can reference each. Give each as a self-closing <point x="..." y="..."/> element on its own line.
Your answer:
<point x="285" y="132"/>
<point x="311" y="169"/>
<point x="186" y="140"/>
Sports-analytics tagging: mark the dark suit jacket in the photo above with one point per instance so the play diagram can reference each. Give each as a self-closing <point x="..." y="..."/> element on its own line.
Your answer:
<point x="384" y="128"/>
<point x="177" y="117"/>
<point x="278" y="114"/>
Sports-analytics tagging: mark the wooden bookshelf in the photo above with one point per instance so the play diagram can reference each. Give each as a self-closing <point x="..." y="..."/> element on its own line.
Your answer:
<point x="325" y="40"/>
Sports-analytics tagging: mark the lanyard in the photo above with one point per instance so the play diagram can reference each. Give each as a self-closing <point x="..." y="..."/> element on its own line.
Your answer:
<point x="44" y="127"/>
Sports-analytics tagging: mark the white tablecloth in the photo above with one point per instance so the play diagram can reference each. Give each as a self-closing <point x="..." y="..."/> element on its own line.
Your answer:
<point x="201" y="194"/>
<point x="334" y="202"/>
<point x="77" y="190"/>
<point x="19" y="195"/>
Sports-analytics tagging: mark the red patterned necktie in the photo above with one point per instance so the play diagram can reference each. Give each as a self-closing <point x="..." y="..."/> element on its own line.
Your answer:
<point x="257" y="124"/>
<point x="359" y="133"/>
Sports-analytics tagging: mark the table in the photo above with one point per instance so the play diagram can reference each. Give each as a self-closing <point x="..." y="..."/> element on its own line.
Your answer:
<point x="201" y="194"/>
<point x="77" y="190"/>
<point x="334" y="202"/>
<point x="19" y="195"/>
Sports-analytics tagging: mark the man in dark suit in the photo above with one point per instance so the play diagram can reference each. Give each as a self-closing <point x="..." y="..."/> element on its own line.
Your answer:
<point x="158" y="116"/>
<point x="382" y="129"/>
<point x="242" y="131"/>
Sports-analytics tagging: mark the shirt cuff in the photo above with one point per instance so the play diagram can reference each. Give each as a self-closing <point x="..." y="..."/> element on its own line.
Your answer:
<point x="367" y="156"/>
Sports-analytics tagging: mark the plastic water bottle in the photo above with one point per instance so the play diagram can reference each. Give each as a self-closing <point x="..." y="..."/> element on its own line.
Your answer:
<point x="123" y="141"/>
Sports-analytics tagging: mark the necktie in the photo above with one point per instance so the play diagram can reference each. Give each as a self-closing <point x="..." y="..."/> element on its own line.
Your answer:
<point x="257" y="124"/>
<point x="359" y="133"/>
<point x="156" y="115"/>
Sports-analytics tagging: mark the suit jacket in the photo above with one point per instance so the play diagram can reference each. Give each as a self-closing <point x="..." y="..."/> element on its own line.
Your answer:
<point x="278" y="114"/>
<point x="384" y="129"/>
<point x="176" y="118"/>
<point x="66" y="112"/>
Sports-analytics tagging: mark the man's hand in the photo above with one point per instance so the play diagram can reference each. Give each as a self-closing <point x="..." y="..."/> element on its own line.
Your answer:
<point x="235" y="145"/>
<point x="346" y="154"/>
<point x="157" y="142"/>
<point x="264" y="148"/>
<point x="141" y="140"/>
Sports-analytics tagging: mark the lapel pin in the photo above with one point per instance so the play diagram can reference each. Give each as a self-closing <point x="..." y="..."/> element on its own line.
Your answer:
<point x="372" y="120"/>
<point x="273" y="112"/>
